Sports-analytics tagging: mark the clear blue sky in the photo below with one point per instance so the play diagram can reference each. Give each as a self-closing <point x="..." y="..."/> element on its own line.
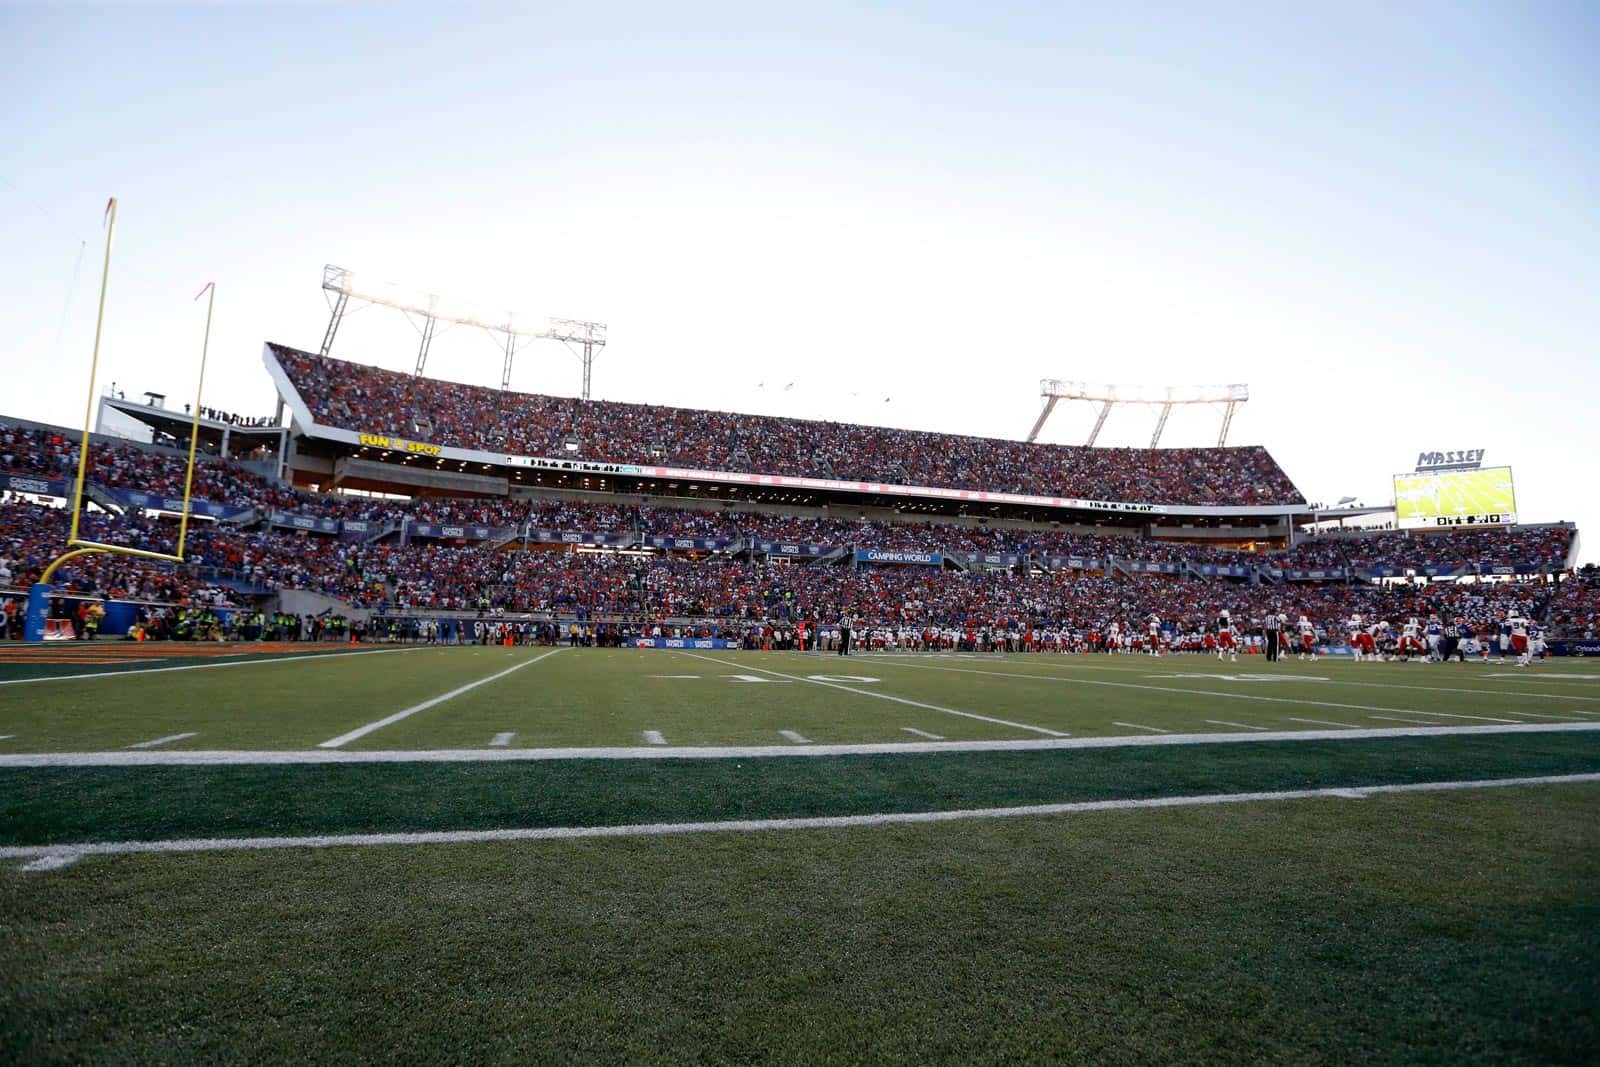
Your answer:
<point x="1383" y="218"/>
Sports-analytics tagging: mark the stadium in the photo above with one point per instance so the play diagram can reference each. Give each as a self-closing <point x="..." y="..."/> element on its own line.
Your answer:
<point x="393" y="717"/>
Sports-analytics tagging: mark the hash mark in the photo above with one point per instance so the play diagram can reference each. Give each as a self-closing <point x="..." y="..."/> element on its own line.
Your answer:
<point x="162" y="740"/>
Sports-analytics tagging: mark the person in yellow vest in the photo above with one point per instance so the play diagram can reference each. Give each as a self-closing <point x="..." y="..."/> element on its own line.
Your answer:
<point x="92" y="617"/>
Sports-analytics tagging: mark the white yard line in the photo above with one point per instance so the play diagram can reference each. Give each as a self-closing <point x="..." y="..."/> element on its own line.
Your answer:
<point x="654" y="737"/>
<point x="179" y="757"/>
<point x="1235" y="725"/>
<point x="790" y="735"/>
<point x="1141" y="726"/>
<point x="4" y="737"/>
<point x="1322" y="722"/>
<point x="882" y="696"/>
<point x="502" y="740"/>
<point x="255" y="661"/>
<point x="405" y="713"/>
<point x="158" y="742"/>
<point x="1181" y="689"/>
<point x="922" y="733"/>
<point x="50" y="857"/>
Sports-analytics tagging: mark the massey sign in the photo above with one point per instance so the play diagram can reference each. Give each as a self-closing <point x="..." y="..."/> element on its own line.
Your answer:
<point x="1462" y="459"/>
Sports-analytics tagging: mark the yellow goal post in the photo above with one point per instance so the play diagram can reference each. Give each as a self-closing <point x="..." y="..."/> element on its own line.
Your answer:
<point x="77" y="546"/>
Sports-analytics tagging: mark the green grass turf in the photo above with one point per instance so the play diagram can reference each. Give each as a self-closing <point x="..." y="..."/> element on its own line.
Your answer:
<point x="1451" y="928"/>
<point x="254" y="705"/>
<point x="142" y="658"/>
<point x="75" y="804"/>
<point x="611" y="697"/>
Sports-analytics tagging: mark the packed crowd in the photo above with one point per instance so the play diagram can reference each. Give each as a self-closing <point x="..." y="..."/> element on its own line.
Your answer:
<point x="431" y="577"/>
<point x="49" y="455"/>
<point x="126" y="466"/>
<point x="1541" y="546"/>
<point x="31" y="536"/>
<point x="366" y="398"/>
<point x="1574" y="611"/>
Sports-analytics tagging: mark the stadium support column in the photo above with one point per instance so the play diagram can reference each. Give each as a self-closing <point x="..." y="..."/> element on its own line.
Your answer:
<point x="1038" y="424"/>
<point x="1105" y="409"/>
<point x="428" y="322"/>
<point x="340" y="302"/>
<point x="1227" y="421"/>
<point x="1161" y="424"/>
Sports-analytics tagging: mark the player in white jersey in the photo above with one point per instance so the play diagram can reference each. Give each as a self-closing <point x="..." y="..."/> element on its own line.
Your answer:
<point x="1360" y="640"/>
<point x="1227" y="637"/>
<point x="1154" y="630"/>
<point x="1410" y="639"/>
<point x="1382" y="639"/>
<point x="1308" y="638"/>
<point x="1519" y="639"/>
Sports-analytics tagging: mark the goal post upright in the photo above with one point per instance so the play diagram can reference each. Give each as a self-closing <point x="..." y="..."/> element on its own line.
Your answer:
<point x="38" y="608"/>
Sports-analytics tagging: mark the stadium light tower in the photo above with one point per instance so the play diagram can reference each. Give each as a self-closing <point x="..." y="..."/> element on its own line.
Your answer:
<point x="432" y="309"/>
<point x="1165" y="397"/>
<point x="587" y="336"/>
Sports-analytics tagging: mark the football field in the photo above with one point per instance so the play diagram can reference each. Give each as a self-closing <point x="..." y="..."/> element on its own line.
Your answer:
<point x="527" y="853"/>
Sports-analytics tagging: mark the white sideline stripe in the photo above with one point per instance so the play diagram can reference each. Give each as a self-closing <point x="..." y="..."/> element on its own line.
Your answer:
<point x="4" y="737"/>
<point x="1048" y="660"/>
<point x="272" y="757"/>
<point x="389" y="720"/>
<point x="1516" y="715"/>
<point x="255" y="661"/>
<point x="1235" y="725"/>
<point x="1141" y="726"/>
<point x="922" y="733"/>
<point x="1323" y="722"/>
<point x="884" y="696"/>
<point x="48" y="857"/>
<point x="1391" y="718"/>
<point x="502" y="740"/>
<point x="1195" y="692"/>
<point x="791" y="735"/>
<point x="654" y="737"/>
<point x="1448" y="715"/>
<point x="162" y="740"/>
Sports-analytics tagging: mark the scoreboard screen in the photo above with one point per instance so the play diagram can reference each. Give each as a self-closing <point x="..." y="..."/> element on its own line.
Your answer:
<point x="1455" y="498"/>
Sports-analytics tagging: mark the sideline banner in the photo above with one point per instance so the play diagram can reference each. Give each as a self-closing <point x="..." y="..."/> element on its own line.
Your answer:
<point x="715" y="644"/>
<point x="314" y="523"/>
<point x="790" y="548"/>
<point x="988" y="559"/>
<point x="156" y="502"/>
<point x="19" y="483"/>
<point x="923" y="559"/>
<point x="698" y="544"/>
